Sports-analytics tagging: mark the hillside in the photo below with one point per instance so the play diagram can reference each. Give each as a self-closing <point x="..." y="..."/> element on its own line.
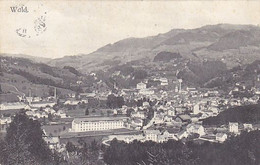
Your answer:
<point x="232" y="44"/>
<point x="243" y="114"/>
<point x="32" y="58"/>
<point x="19" y="75"/>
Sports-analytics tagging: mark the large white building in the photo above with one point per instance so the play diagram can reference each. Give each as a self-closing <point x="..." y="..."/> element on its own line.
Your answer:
<point x="42" y="104"/>
<point x="98" y="123"/>
<point x="12" y="106"/>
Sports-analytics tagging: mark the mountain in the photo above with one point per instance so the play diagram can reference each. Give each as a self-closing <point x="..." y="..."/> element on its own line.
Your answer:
<point x="232" y="44"/>
<point x="21" y="75"/>
<point x="33" y="58"/>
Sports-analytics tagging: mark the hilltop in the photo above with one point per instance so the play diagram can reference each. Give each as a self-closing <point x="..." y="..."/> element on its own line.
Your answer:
<point x="21" y="75"/>
<point x="232" y="44"/>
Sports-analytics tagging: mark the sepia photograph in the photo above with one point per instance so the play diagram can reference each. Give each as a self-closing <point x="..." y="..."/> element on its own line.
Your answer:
<point x="134" y="82"/>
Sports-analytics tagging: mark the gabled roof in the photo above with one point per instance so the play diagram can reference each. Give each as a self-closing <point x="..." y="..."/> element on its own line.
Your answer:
<point x="184" y="117"/>
<point x="220" y="134"/>
<point x="156" y="132"/>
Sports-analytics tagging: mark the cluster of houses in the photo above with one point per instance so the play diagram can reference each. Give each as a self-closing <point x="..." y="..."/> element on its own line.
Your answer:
<point x="177" y="113"/>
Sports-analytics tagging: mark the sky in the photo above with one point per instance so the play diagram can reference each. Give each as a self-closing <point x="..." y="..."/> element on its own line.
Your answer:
<point x="54" y="29"/>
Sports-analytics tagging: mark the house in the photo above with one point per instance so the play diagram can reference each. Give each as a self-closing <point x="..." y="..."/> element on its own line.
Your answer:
<point x="247" y="127"/>
<point x="61" y="113"/>
<point x="71" y="102"/>
<point x="171" y="112"/>
<point x="42" y="104"/>
<point x="195" y="128"/>
<point x="221" y="137"/>
<point x="214" y="109"/>
<point x="170" y="134"/>
<point x="151" y="135"/>
<point x="5" y="120"/>
<point x="49" y="110"/>
<point x="196" y="109"/>
<point x="137" y="122"/>
<point x="146" y="104"/>
<point x="146" y="91"/>
<point x="52" y="142"/>
<point x="182" y="134"/>
<point x="164" y="81"/>
<point x="29" y="113"/>
<point x="141" y="85"/>
<point x="183" y="119"/>
<point x="233" y="127"/>
<point x="138" y="114"/>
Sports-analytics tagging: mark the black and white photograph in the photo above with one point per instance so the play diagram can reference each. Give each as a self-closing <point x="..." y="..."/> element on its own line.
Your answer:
<point x="135" y="82"/>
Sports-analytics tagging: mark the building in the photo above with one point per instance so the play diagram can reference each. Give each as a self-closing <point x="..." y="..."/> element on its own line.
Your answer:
<point x="141" y="85"/>
<point x="152" y="135"/>
<point x="138" y="114"/>
<point x="196" y="109"/>
<point x="171" y="112"/>
<point x="12" y="106"/>
<point x="164" y="81"/>
<point x="98" y="123"/>
<point x="233" y="127"/>
<point x="195" y="128"/>
<point x="248" y="127"/>
<point x="221" y="137"/>
<point x="52" y="142"/>
<point x="146" y="91"/>
<point x="42" y="104"/>
<point x="72" y="102"/>
<point x="183" y="119"/>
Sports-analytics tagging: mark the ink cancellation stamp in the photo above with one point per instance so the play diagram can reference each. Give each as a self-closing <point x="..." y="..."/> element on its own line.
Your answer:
<point x="34" y="19"/>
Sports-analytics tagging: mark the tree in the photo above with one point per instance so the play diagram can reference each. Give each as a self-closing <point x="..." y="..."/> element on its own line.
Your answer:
<point x="50" y="117"/>
<point x="129" y="111"/>
<point x="24" y="142"/>
<point x="70" y="147"/>
<point x="87" y="112"/>
<point x="114" y="101"/>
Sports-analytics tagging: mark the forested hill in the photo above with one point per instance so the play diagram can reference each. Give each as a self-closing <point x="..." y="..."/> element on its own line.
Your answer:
<point x="25" y="74"/>
<point x="241" y="150"/>
<point x="242" y="114"/>
<point x="232" y="44"/>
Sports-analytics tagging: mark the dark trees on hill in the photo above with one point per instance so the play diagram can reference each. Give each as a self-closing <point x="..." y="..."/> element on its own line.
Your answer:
<point x="72" y="70"/>
<point x="166" y="56"/>
<point x="47" y="69"/>
<point x="115" y="101"/>
<point x="240" y="150"/>
<point x="140" y="74"/>
<point x="243" y="114"/>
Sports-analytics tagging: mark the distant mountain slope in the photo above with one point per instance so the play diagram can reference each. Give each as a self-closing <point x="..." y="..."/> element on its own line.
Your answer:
<point x="20" y="74"/>
<point x="33" y="58"/>
<point x="233" y="44"/>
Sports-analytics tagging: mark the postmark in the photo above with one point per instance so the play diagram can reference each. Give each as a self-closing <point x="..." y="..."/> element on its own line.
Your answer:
<point x="36" y="16"/>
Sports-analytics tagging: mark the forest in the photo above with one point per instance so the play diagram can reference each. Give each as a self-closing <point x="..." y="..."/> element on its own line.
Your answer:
<point x="240" y="150"/>
<point x="242" y="114"/>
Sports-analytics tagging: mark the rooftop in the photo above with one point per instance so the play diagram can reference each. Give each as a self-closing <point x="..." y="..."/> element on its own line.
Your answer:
<point x="93" y="119"/>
